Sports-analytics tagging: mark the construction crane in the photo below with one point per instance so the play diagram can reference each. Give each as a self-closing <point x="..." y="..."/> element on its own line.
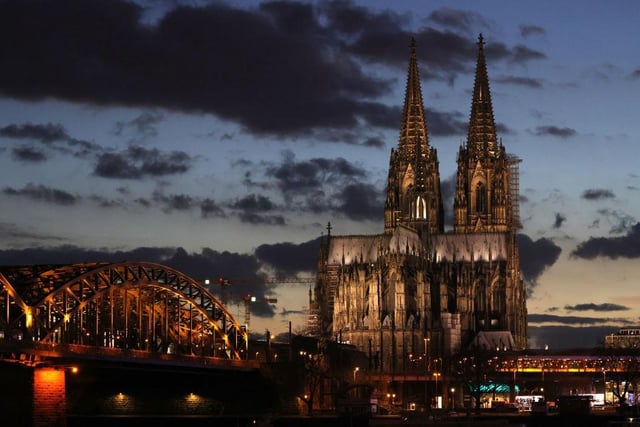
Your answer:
<point x="247" y="299"/>
<point x="224" y="289"/>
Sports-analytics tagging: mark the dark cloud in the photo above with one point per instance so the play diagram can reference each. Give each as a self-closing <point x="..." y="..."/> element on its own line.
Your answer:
<point x="627" y="246"/>
<point x="554" y="131"/>
<point x="559" y="220"/>
<point x="210" y="209"/>
<point x="361" y="202"/>
<point x="255" y="218"/>
<point x="173" y="202"/>
<point x="198" y="58"/>
<point x="597" y="194"/>
<point x="521" y="54"/>
<point x="143" y="126"/>
<point x="374" y="142"/>
<point x="295" y="177"/>
<point x="531" y="30"/>
<point x="46" y="133"/>
<point x="68" y="254"/>
<point x="621" y="222"/>
<point x="635" y="74"/>
<point x="143" y="202"/>
<point x="322" y="185"/>
<point x="252" y="208"/>
<point x="381" y="115"/>
<point x="240" y="269"/>
<point x="290" y="258"/>
<point x="52" y="136"/>
<point x="351" y="19"/>
<point x="376" y="37"/>
<point x="443" y="55"/>
<point x="535" y="258"/>
<point x="28" y="155"/>
<point x="461" y="20"/>
<point x="11" y="233"/>
<point x="520" y="81"/>
<point x="504" y="129"/>
<point x="254" y="203"/>
<point x="446" y="124"/>
<point x="567" y="337"/>
<point x="137" y="162"/>
<point x="286" y="313"/>
<point x="573" y="320"/>
<point x="104" y="202"/>
<point x="305" y="70"/>
<point x="596" y="307"/>
<point x="43" y="193"/>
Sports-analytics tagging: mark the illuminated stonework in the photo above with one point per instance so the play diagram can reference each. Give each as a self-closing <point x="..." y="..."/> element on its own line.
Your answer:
<point x="416" y="289"/>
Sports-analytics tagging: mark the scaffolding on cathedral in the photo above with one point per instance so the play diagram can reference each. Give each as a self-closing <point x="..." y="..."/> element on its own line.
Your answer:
<point x="513" y="162"/>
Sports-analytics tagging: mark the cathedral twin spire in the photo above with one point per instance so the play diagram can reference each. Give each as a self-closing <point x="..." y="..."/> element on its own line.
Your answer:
<point x="482" y="138"/>
<point x="413" y="132"/>
<point x="413" y="189"/>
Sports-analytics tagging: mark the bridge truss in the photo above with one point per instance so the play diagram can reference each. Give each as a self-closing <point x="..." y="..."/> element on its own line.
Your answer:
<point x="128" y="305"/>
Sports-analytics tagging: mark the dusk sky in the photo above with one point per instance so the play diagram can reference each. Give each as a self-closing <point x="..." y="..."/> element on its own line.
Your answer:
<point x="220" y="138"/>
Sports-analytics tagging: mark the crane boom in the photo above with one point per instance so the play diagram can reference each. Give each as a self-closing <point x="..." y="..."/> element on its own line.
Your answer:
<point x="224" y="284"/>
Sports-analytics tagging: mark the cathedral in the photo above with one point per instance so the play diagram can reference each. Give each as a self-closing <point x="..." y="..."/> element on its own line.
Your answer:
<point x="416" y="288"/>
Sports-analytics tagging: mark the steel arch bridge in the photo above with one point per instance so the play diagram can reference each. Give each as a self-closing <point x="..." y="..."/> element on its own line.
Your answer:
<point x="127" y="305"/>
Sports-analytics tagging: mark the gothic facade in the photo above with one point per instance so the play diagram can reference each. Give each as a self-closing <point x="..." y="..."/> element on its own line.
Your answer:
<point x="416" y="289"/>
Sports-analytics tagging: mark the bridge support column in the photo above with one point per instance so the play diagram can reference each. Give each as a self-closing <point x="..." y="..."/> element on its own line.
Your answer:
<point x="49" y="397"/>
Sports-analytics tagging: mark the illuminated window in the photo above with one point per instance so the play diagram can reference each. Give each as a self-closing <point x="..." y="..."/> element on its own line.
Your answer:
<point x="421" y="208"/>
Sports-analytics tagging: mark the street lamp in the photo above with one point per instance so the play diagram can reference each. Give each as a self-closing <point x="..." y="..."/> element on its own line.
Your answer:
<point x="355" y="371"/>
<point x="453" y="394"/>
<point x="392" y="398"/>
<point x="436" y="375"/>
<point x="604" y="385"/>
<point x="426" y="371"/>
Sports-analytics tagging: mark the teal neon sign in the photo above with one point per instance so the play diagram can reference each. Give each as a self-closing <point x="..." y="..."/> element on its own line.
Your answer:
<point x="493" y="388"/>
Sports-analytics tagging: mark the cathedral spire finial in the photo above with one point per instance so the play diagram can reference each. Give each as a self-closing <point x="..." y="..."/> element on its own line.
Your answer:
<point x="414" y="128"/>
<point x="482" y="138"/>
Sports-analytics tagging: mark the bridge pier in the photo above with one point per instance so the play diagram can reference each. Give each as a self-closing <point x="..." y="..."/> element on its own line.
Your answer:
<point x="49" y="397"/>
<point x="33" y="396"/>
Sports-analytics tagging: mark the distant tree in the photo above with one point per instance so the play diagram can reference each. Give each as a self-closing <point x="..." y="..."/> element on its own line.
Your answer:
<point x="475" y="369"/>
<point x="315" y="372"/>
<point x="623" y="373"/>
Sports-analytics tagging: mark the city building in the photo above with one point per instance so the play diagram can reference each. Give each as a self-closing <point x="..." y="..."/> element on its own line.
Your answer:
<point x="418" y="289"/>
<point x="624" y="338"/>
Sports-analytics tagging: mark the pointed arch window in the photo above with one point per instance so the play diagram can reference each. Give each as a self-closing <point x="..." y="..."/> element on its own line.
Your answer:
<point x="421" y="208"/>
<point x="481" y="198"/>
<point x="481" y="301"/>
<point x="498" y="298"/>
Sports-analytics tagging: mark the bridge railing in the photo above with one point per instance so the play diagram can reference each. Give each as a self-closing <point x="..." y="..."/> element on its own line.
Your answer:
<point x="56" y="351"/>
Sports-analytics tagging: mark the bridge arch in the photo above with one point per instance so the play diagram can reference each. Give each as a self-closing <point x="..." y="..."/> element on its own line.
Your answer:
<point x="128" y="305"/>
